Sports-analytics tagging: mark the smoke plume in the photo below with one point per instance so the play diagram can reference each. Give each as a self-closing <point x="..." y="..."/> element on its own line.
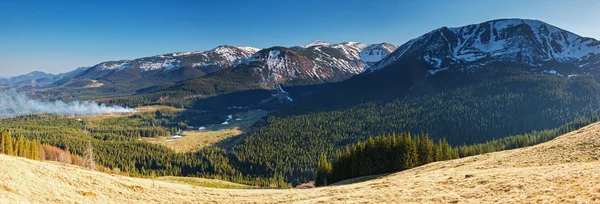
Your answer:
<point x="13" y="104"/>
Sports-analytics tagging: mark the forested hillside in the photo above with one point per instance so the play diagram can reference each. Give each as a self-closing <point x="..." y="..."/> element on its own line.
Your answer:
<point x="397" y="152"/>
<point x="463" y="109"/>
<point x="116" y="146"/>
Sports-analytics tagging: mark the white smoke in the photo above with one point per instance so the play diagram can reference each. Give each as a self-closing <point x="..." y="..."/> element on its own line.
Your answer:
<point x="13" y="104"/>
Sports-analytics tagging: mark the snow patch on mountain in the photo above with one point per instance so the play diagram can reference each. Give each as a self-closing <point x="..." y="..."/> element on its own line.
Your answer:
<point x="317" y="62"/>
<point x="248" y="49"/>
<point x="123" y="66"/>
<point x="165" y="65"/>
<point x="223" y="56"/>
<point x="374" y="53"/>
<point x="315" y="43"/>
<point x="180" y="54"/>
<point x="114" y="65"/>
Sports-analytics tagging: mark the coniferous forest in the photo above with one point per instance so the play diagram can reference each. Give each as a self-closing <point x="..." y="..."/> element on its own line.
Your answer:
<point x="477" y="109"/>
<point x="20" y="146"/>
<point x="397" y="152"/>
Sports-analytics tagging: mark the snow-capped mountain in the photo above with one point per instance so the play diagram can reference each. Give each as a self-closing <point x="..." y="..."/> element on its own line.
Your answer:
<point x="315" y="43"/>
<point x="206" y="62"/>
<point x="543" y="47"/>
<point x="224" y="55"/>
<point x="375" y="52"/>
<point x="316" y="62"/>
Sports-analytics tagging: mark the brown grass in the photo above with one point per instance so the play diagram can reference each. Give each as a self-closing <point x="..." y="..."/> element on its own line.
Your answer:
<point x="195" y="140"/>
<point x="155" y="108"/>
<point x="564" y="170"/>
<point x="86" y="193"/>
<point x="224" y="136"/>
<point x="202" y="182"/>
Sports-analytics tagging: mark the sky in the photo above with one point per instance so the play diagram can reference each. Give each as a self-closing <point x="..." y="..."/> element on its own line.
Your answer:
<point x="59" y="36"/>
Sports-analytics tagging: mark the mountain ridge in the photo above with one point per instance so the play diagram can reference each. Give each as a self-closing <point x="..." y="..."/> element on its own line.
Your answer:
<point x="523" y="41"/>
<point x="316" y="62"/>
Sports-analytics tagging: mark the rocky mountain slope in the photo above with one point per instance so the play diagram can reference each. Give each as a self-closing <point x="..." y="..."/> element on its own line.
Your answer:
<point x="562" y="170"/>
<point x="316" y="62"/>
<point x="201" y="63"/>
<point x="273" y="69"/>
<point x="542" y="47"/>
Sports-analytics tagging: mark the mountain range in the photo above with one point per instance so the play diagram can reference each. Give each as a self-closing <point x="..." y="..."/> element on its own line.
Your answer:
<point x="314" y="63"/>
<point x="532" y="45"/>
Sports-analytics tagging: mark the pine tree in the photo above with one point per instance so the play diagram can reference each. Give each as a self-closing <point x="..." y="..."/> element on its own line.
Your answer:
<point x="426" y="152"/>
<point x="34" y="150"/>
<point x="2" y="141"/>
<point x="410" y="155"/>
<point x="8" y="143"/>
<point x="21" y="147"/>
<point x="323" y="171"/>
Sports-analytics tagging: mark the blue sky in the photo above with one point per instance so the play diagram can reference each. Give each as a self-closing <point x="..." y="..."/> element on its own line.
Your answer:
<point x="58" y="36"/>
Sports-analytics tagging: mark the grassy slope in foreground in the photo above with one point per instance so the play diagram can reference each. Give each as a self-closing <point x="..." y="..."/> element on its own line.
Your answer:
<point x="562" y="170"/>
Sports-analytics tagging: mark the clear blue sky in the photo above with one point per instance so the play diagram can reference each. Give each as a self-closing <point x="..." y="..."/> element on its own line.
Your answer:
<point x="58" y="36"/>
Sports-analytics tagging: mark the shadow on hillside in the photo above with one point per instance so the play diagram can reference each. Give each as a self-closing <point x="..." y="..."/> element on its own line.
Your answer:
<point x="215" y="109"/>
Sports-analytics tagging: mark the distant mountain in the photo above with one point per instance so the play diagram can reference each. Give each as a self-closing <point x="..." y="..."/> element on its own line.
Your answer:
<point x="35" y="78"/>
<point x="161" y="66"/>
<point x="269" y="75"/>
<point x="375" y="52"/>
<point x="542" y="47"/>
<point x="314" y="63"/>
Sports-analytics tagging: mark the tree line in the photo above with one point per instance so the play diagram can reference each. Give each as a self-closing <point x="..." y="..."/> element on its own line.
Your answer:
<point x="20" y="146"/>
<point x="382" y="154"/>
<point x="398" y="152"/>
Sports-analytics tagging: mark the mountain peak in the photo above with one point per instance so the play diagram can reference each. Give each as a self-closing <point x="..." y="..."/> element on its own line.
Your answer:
<point x="315" y="43"/>
<point x="523" y="41"/>
<point x="33" y="73"/>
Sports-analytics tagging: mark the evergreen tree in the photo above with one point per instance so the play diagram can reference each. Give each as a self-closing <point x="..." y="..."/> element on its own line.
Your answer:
<point x="323" y="171"/>
<point x="2" y="141"/>
<point x="8" y="143"/>
<point x="425" y="149"/>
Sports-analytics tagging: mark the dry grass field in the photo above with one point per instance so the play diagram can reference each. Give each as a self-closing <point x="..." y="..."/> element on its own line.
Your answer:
<point x="192" y="141"/>
<point x="564" y="170"/>
<point x="221" y="135"/>
<point x="202" y="182"/>
<point x="155" y="108"/>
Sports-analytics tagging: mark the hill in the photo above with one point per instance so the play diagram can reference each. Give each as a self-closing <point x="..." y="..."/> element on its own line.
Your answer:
<point x="562" y="170"/>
